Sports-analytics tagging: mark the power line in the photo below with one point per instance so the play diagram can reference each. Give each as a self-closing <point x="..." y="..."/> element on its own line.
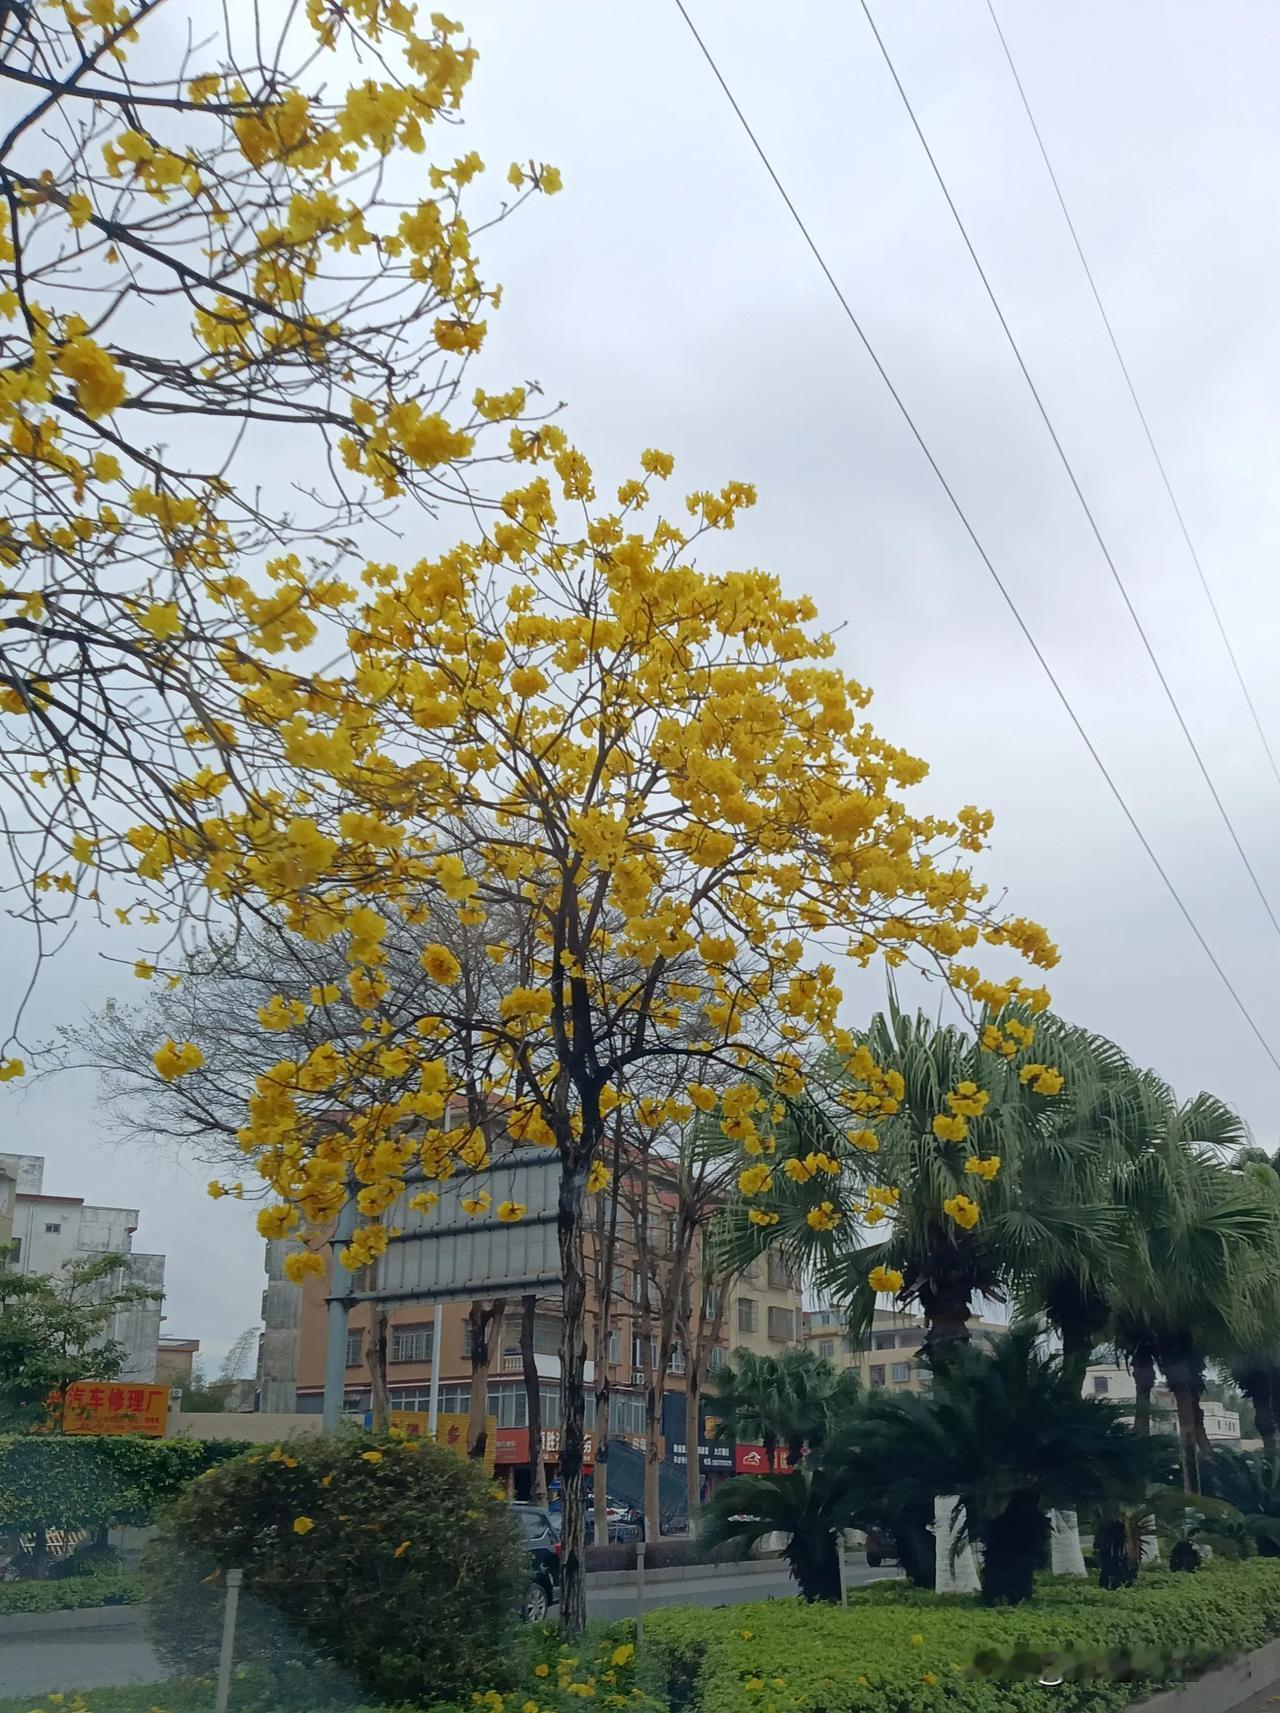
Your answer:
<point x="1071" y="476"/>
<point x="973" y="537"/>
<point x="1137" y="403"/>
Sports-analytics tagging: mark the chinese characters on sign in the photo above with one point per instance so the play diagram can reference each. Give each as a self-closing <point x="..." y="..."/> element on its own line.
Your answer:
<point x="451" y="1431"/>
<point x="92" y="1406"/>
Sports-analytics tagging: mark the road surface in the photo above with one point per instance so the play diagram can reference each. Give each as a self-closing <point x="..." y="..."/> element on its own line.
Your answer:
<point x="98" y="1659"/>
<point x="720" y="1590"/>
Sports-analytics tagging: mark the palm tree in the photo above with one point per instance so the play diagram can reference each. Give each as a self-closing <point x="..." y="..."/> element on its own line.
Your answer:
<point x="809" y="1505"/>
<point x="1251" y="1484"/>
<point x="1011" y="1436"/>
<point x="789" y="1400"/>
<point x="1188" y="1281"/>
<point x="1042" y="1209"/>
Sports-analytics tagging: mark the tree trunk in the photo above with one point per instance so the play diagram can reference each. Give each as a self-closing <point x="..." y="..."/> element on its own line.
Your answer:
<point x="533" y="1400"/>
<point x="1143" y="1365"/>
<point x="815" y="1564"/>
<point x="692" y="1438"/>
<point x="1265" y="1418"/>
<point x="1015" y="1545"/>
<point x="1077" y="1333"/>
<point x="376" y="1356"/>
<point x="946" y="1308"/>
<point x="1117" y="1552"/>
<point x="1188" y="1443"/>
<point x="486" y="1329"/>
<point x="573" y="1363"/>
<point x="652" y="1460"/>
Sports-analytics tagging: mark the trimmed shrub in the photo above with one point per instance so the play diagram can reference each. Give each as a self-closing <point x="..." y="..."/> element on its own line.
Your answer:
<point x="391" y="1566"/>
<point x="93" y="1481"/>
<point x="898" y="1647"/>
<point x="72" y="1594"/>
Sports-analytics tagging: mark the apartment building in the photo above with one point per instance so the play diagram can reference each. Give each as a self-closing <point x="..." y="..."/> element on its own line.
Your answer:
<point x="760" y="1310"/>
<point x="1110" y="1378"/>
<point x="887" y="1355"/>
<point x="47" y="1232"/>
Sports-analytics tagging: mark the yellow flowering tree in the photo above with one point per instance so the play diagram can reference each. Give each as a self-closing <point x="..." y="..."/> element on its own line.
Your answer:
<point x="659" y="773"/>
<point x="237" y="305"/>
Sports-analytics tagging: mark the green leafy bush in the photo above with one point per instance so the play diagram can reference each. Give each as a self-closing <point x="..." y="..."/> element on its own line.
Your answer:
<point x="118" y="1588"/>
<point x="898" y="1647"/>
<point x="92" y="1481"/>
<point x="394" y="1568"/>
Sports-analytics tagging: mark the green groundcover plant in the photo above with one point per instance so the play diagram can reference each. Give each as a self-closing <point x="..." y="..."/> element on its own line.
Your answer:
<point x="111" y="1588"/>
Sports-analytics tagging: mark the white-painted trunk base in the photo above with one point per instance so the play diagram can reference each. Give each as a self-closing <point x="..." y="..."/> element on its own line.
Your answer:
<point x="1066" y="1556"/>
<point x="961" y="1575"/>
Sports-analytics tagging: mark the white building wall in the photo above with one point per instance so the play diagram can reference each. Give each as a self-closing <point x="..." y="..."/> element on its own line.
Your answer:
<point x="54" y="1231"/>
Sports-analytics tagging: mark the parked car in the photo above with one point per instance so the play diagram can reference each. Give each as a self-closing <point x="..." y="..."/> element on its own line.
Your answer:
<point x="622" y="1522"/>
<point x="880" y="1546"/>
<point x="541" y="1536"/>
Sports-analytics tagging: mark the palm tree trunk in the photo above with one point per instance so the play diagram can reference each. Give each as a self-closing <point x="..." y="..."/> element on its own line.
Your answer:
<point x="1188" y="1443"/>
<point x="814" y="1562"/>
<point x="946" y="1307"/>
<point x="486" y="1330"/>
<point x="1143" y="1365"/>
<point x="1016" y="1542"/>
<point x="533" y="1401"/>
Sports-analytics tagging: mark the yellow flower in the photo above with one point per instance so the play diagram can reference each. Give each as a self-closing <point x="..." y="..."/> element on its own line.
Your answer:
<point x="214" y="1190"/>
<point x="823" y="1218"/>
<point x="758" y="1216"/>
<point x="985" y="1169"/>
<point x="950" y="1129"/>
<point x="82" y="849"/>
<point x="143" y="970"/>
<point x="371" y="1456"/>
<point x="99" y="383"/>
<point x="917" y="1641"/>
<point x="755" y="1180"/>
<point x="703" y="1098"/>
<point x="962" y="1210"/>
<point x="402" y="1549"/>
<point x="866" y="1140"/>
<point x="511" y="1212"/>
<point x="542" y="1671"/>
<point x="930" y="1677"/>
<point x="303" y="1525"/>
<point x="303" y="1264"/>
<point x="161" y="620"/>
<point x="598" y="1177"/>
<point x="440" y="964"/>
<point x="623" y="1655"/>
<point x="797" y="1170"/>
<point x="174" y="1060"/>
<point x="968" y="1100"/>
<point x="887" y="1279"/>
<point x="477" y="1204"/>
<point x="1044" y="1079"/>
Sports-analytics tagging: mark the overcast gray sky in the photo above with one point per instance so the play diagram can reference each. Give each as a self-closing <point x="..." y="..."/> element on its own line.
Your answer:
<point x="666" y="296"/>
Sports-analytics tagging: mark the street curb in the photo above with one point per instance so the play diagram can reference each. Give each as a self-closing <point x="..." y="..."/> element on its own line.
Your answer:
<point x="687" y="1572"/>
<point x="1220" y="1690"/>
<point x="78" y="1618"/>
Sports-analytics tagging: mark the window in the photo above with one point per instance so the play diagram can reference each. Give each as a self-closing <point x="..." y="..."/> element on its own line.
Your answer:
<point x="711" y="1303"/>
<point x="619" y="1285"/>
<point x="900" y="1373"/>
<point x="826" y="1348"/>
<point x="908" y="1341"/>
<point x="615" y="1347"/>
<point x="355" y="1349"/>
<point x="882" y="1340"/>
<point x="746" y="1314"/>
<point x="412" y="1343"/>
<point x="510" y="1406"/>
<point x="53" y="1226"/>
<point x="546" y="1334"/>
<point x="626" y="1413"/>
<point x="1101" y="1384"/>
<point x="454" y="1400"/>
<point x="782" y="1324"/>
<point x="779" y="1277"/>
<point x="877" y="1373"/>
<point x="716" y="1359"/>
<point x="637" y="1352"/>
<point x="677" y="1358"/>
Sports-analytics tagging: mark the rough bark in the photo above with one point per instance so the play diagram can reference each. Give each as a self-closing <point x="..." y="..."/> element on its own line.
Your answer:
<point x="533" y="1401"/>
<point x="573" y="1362"/>
<point x="692" y="1438"/>
<point x="486" y="1330"/>
<point x="1142" y="1362"/>
<point x="1188" y="1441"/>
<point x="1015" y="1543"/>
<point x="376" y="1357"/>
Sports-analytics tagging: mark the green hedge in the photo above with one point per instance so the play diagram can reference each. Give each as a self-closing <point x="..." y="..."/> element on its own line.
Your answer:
<point x="896" y="1648"/>
<point x="85" y="1481"/>
<point x="114" y="1588"/>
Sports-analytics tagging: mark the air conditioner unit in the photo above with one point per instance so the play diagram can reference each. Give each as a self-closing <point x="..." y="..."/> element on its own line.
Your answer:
<point x="637" y="1376"/>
